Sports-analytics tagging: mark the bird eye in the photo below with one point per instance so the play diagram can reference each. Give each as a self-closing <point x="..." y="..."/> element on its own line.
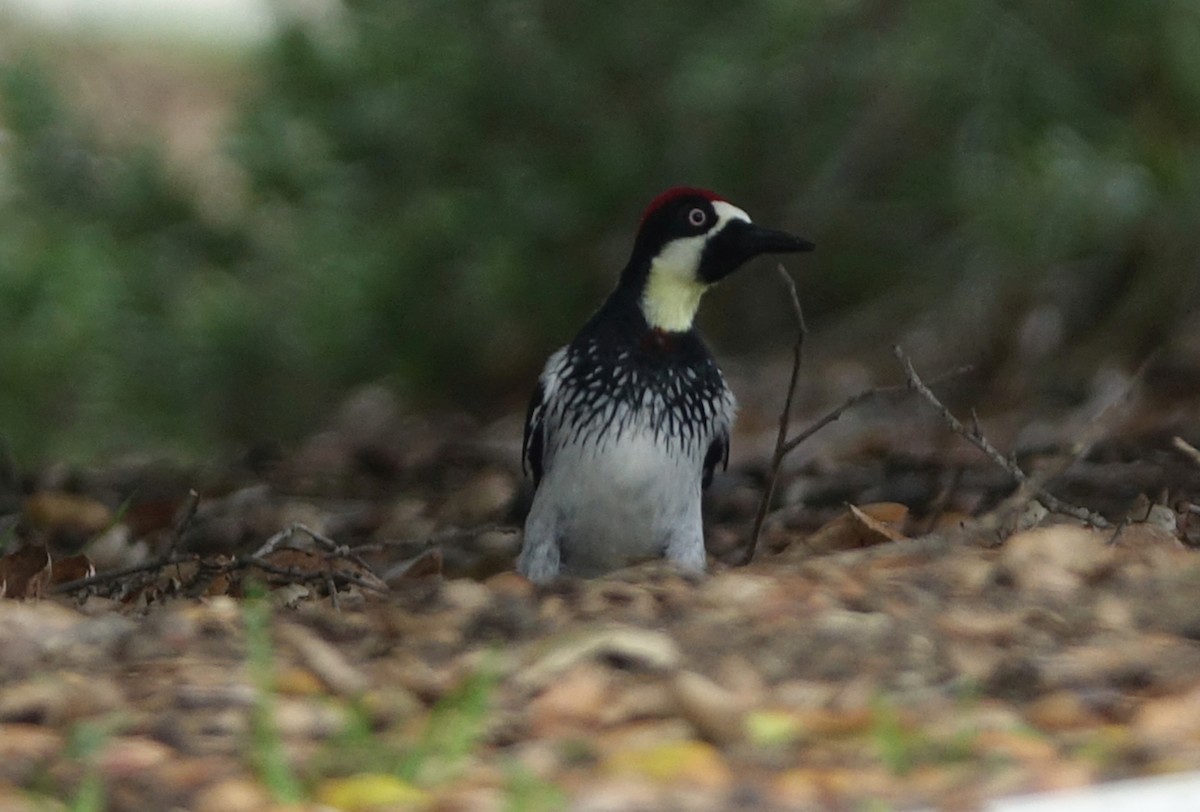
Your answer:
<point x="697" y="217"/>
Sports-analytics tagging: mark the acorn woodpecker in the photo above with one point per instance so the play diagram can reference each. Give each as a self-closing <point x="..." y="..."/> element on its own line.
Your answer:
<point x="629" y="420"/>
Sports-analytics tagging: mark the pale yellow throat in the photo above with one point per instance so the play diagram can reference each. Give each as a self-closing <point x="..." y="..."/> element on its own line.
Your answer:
<point x="670" y="301"/>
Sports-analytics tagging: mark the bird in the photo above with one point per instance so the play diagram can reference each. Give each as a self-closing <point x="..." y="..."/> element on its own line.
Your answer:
<point x="629" y="421"/>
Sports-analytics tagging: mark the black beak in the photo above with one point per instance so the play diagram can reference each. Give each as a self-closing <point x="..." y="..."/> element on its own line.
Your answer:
<point x="768" y="241"/>
<point x="740" y="241"/>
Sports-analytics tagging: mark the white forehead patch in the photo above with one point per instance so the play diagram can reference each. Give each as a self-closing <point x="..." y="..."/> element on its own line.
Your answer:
<point x="725" y="213"/>
<point x="673" y="291"/>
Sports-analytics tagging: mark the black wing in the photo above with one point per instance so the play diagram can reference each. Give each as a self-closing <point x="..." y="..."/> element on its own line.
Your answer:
<point x="718" y="452"/>
<point x="533" y="447"/>
<point x="535" y="435"/>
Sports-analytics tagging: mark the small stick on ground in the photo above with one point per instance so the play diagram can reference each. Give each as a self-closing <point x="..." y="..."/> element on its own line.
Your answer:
<point x="301" y="576"/>
<point x="169" y="557"/>
<point x="334" y="549"/>
<point x="273" y="542"/>
<point x="785" y="416"/>
<point x="110" y="578"/>
<point x="975" y="437"/>
<point x="331" y="590"/>
<point x="173" y="556"/>
<point x="1116" y="536"/>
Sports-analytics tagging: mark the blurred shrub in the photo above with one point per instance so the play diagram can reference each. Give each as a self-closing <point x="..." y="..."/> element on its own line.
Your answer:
<point x="439" y="191"/>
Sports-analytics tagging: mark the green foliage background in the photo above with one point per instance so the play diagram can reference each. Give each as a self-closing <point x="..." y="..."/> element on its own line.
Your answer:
<point x="437" y="192"/>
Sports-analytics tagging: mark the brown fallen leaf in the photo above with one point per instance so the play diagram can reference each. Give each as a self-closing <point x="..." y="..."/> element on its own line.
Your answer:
<point x="427" y="563"/>
<point x="1168" y="722"/>
<point x="147" y="516"/>
<point x="1061" y="710"/>
<point x="325" y="660"/>
<point x="25" y="573"/>
<point x="951" y="520"/>
<point x="233" y="795"/>
<point x="1059" y="559"/>
<point x="692" y="762"/>
<point x="717" y="713"/>
<point x="300" y="561"/>
<point x="863" y="526"/>
<point x="777" y="725"/>
<point x="885" y="518"/>
<point x="307" y="566"/>
<point x="826" y="787"/>
<point x="574" y="702"/>
<point x="71" y="568"/>
<point x="67" y="518"/>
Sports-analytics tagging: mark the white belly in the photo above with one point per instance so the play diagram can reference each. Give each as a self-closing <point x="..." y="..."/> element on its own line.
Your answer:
<point x="619" y="502"/>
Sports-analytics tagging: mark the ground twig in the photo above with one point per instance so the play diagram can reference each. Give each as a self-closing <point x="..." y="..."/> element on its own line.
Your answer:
<point x="258" y="559"/>
<point x="115" y="576"/>
<point x="1028" y="487"/>
<point x="169" y="557"/>
<point x="332" y="548"/>
<point x="297" y="575"/>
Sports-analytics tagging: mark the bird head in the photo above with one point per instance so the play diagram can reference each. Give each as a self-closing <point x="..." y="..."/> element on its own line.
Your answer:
<point x="689" y="240"/>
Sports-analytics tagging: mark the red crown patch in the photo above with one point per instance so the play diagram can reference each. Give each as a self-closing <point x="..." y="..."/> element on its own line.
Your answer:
<point x="676" y="193"/>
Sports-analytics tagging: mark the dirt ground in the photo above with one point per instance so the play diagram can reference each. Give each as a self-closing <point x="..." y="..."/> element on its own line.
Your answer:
<point x="908" y="635"/>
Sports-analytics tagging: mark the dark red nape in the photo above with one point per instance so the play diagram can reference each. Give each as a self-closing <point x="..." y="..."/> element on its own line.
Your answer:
<point x="677" y="192"/>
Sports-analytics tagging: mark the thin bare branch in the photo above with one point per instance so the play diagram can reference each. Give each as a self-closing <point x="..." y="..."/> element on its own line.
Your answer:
<point x="113" y="576"/>
<point x="785" y="415"/>
<point x="834" y="415"/>
<point x="256" y="559"/>
<point x="273" y="542"/>
<point x="1033" y="487"/>
<point x="297" y="575"/>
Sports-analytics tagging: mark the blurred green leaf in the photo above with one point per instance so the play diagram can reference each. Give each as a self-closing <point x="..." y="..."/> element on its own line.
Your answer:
<point x="438" y="193"/>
